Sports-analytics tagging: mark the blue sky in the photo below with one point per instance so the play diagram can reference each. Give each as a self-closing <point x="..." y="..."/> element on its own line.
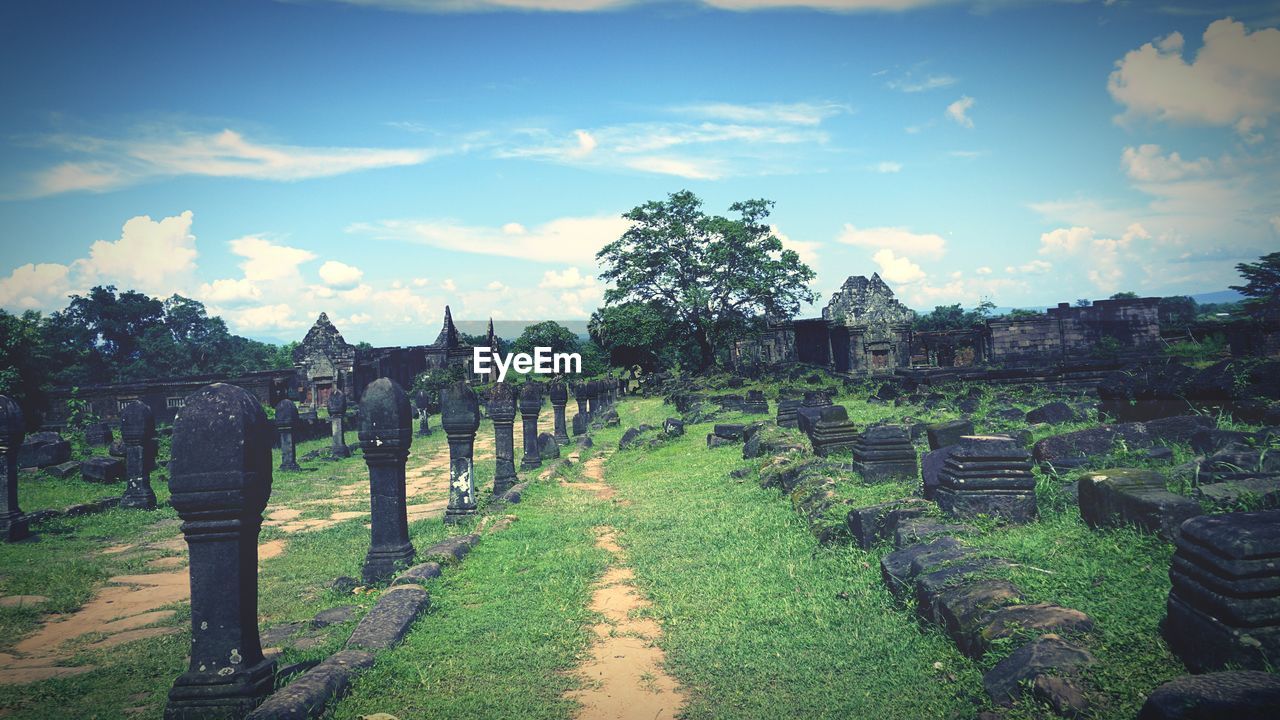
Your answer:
<point x="377" y="159"/>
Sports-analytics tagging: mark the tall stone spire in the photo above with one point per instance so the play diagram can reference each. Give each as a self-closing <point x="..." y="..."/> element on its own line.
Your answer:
<point x="448" y="336"/>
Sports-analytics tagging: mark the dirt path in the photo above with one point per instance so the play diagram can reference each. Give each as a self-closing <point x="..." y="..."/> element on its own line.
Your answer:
<point x="624" y="674"/>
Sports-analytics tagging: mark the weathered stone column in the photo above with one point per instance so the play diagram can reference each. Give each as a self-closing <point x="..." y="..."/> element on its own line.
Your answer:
<point x="138" y="431"/>
<point x="422" y="399"/>
<point x="559" y="398"/>
<point x="530" y="405"/>
<point x="221" y="480"/>
<point x="386" y="432"/>
<point x="286" y="421"/>
<point x="337" y="414"/>
<point x="13" y="524"/>
<point x="581" y="419"/>
<point x="460" y="417"/>
<point x="502" y="409"/>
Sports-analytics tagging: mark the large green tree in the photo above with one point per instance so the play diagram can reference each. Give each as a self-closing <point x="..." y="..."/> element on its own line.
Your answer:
<point x="713" y="272"/>
<point x="1262" y="284"/>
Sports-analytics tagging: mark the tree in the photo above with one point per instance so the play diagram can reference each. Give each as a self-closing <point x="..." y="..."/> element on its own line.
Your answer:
<point x="714" y="273"/>
<point x="639" y="333"/>
<point x="1177" y="312"/>
<point x="952" y="317"/>
<point x="1083" y="302"/>
<point x="1125" y="295"/>
<point x="1262" y="284"/>
<point x="24" y="361"/>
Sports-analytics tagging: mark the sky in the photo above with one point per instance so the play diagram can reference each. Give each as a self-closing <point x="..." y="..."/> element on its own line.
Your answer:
<point x="379" y="159"/>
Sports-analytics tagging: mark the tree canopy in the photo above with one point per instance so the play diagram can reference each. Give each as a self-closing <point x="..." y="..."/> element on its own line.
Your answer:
<point x="713" y="273"/>
<point x="953" y="317"/>
<point x="1262" y="284"/>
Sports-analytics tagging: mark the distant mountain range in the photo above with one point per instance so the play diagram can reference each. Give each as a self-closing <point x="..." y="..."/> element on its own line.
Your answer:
<point x="511" y="329"/>
<point x="1221" y="296"/>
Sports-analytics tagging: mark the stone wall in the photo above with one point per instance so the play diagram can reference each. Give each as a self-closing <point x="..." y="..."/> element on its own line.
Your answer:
<point x="165" y="397"/>
<point x="1065" y="333"/>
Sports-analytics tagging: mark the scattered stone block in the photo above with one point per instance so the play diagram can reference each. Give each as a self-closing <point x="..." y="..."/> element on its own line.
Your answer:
<point x="334" y="616"/>
<point x="386" y="624"/>
<point x="923" y="529"/>
<point x="1055" y="413"/>
<point x="63" y="470"/>
<point x="1115" y="498"/>
<point x="961" y="609"/>
<point x="947" y="433"/>
<point x="987" y="475"/>
<point x="418" y="574"/>
<point x="1047" y="656"/>
<point x="101" y="469"/>
<point x="453" y="549"/>
<point x="1239" y="695"/>
<point x="628" y="438"/>
<point x="98" y="435"/>
<point x="786" y="416"/>
<point x="42" y="449"/>
<point x="1250" y="493"/>
<point x="755" y="404"/>
<point x="311" y="693"/>
<point x="1016" y="620"/>
<point x="885" y="453"/>
<point x="548" y="448"/>
<point x="874" y="524"/>
<point x="896" y="567"/>
<point x="1224" y="603"/>
<point x="673" y="427"/>
<point x="931" y="464"/>
<point x="832" y="431"/>
<point x="729" y="431"/>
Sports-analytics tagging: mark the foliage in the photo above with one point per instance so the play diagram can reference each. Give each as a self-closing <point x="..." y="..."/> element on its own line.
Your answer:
<point x="433" y="381"/>
<point x="953" y="317"/>
<point x="79" y="412"/>
<point x="560" y="339"/>
<point x="24" y="361"/>
<point x="1107" y="348"/>
<point x="1262" y="284"/>
<point x="504" y="346"/>
<point x="1083" y="302"/>
<point x="712" y="272"/>
<point x="1210" y="348"/>
<point x="1125" y="295"/>
<point x="645" y="334"/>
<point x="1178" y="312"/>
<point x="1023" y="314"/>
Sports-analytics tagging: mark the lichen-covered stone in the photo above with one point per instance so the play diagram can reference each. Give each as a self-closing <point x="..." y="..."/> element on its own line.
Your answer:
<point x="385" y="625"/>
<point x="460" y="418"/>
<point x="884" y="453"/>
<point x="1124" y="496"/>
<point x="1047" y="656"/>
<point x="987" y="475"/>
<point x="138" y="431"/>
<point x="942" y="434"/>
<point x="869" y="526"/>
<point x="101" y="469"/>
<point x="530" y="405"/>
<point x="502" y="410"/>
<point x="386" y="433"/>
<point x="1233" y="695"/>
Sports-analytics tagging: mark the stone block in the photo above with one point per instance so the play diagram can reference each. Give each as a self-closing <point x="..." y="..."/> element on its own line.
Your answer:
<point x="896" y="568"/>
<point x="729" y="431"/>
<point x="1047" y="656"/>
<point x="41" y="450"/>
<point x="1238" y="695"/>
<point x="63" y="470"/>
<point x="947" y="433"/>
<point x="418" y="574"/>
<point x="885" y="453"/>
<point x="1120" y="497"/>
<point x="1055" y="413"/>
<point x="102" y="469"/>
<point x="872" y="525"/>
<point x="310" y="694"/>
<point x="923" y="529"/>
<point x="832" y="431"/>
<point x="987" y="475"/>
<point x="1251" y="493"/>
<point x="389" y="621"/>
<point x="453" y="549"/>
<point x="1224" y="602"/>
<point x="930" y="467"/>
<point x="1018" y="620"/>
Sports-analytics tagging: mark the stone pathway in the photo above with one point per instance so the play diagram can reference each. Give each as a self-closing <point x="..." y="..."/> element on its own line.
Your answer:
<point x="624" y="674"/>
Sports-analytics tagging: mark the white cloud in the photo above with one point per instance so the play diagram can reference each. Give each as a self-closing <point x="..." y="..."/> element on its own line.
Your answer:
<point x="908" y="84"/>
<point x="1234" y="79"/>
<point x="35" y="287"/>
<point x="1034" y="267"/>
<point x="887" y="166"/>
<point x="266" y="318"/>
<point x="984" y="270"/>
<point x="1146" y="164"/>
<point x="266" y="261"/>
<point x="586" y="143"/>
<point x="154" y="257"/>
<point x="691" y="169"/>
<point x="568" y="278"/>
<point x="448" y="285"/>
<point x="1065" y="240"/>
<point x="901" y="240"/>
<point x="807" y="250"/>
<point x="1104" y="259"/>
<point x="421" y="282"/>
<point x="229" y="291"/>
<point x="112" y="163"/>
<point x="958" y="111"/>
<point x="569" y="240"/>
<point x="340" y="275"/>
<point x="897" y="269"/>
<point x="496" y="286"/>
<point x="785" y="113"/>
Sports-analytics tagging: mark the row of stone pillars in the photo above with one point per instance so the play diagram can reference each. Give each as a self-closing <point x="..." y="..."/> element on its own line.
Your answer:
<point x="138" y="432"/>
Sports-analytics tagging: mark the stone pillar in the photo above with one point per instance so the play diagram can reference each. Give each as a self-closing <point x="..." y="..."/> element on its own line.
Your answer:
<point x="580" y="421"/>
<point x="286" y="421"/>
<point x="987" y="475"/>
<point x="221" y="481"/>
<point x="559" y="398"/>
<point x="13" y="524"/>
<point x="337" y="414"/>
<point x="422" y="399"/>
<point x="884" y="453"/>
<point x="386" y="432"/>
<point x="138" y="431"/>
<point x="502" y="409"/>
<point x="530" y="405"/>
<point x="460" y="417"/>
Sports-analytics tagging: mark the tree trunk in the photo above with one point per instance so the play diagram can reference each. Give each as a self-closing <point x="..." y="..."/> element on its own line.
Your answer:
<point x="708" y="353"/>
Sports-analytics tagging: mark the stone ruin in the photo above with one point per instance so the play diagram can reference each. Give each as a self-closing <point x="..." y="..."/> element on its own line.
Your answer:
<point x="460" y="418"/>
<point x="988" y="475"/>
<point x="502" y="410"/>
<point x="386" y="433"/>
<point x="13" y="524"/>
<point x="530" y="406"/>
<point x="138" y="430"/>
<point x="884" y="453"/>
<point x="337" y="407"/>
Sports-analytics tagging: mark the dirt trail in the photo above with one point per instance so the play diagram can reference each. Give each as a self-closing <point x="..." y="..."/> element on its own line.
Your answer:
<point x="624" y="675"/>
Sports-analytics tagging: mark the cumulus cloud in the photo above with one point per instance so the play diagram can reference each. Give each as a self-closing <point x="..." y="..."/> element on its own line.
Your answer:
<point x="152" y="256"/>
<point x="897" y="269"/>
<point x="887" y="166"/>
<point x="565" y="279"/>
<point x="229" y="291"/>
<point x="266" y="318"/>
<point x="113" y="163"/>
<point x="959" y="111"/>
<point x="267" y="261"/>
<point x="1146" y="163"/>
<point x="1104" y="258"/>
<point x="570" y="240"/>
<point x="900" y="240"/>
<point x="1233" y="80"/>
<point x="340" y="275"/>
<point x="35" y="287"/>
<point x="807" y="250"/>
<point x="984" y="270"/>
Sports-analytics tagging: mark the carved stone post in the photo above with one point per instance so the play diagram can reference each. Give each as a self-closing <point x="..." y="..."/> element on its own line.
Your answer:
<point x="460" y="417"/>
<point x="337" y="413"/>
<point x="422" y="399"/>
<point x="138" y="431"/>
<point x="502" y="408"/>
<point x="559" y="398"/>
<point x="221" y="480"/>
<point x="530" y="405"/>
<point x="286" y="421"/>
<point x="581" y="419"/>
<point x="386" y="432"/>
<point x="13" y="524"/>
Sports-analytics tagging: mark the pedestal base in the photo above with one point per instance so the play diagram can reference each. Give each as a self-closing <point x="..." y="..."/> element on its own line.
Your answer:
<point x="381" y="564"/>
<point x="206" y="696"/>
